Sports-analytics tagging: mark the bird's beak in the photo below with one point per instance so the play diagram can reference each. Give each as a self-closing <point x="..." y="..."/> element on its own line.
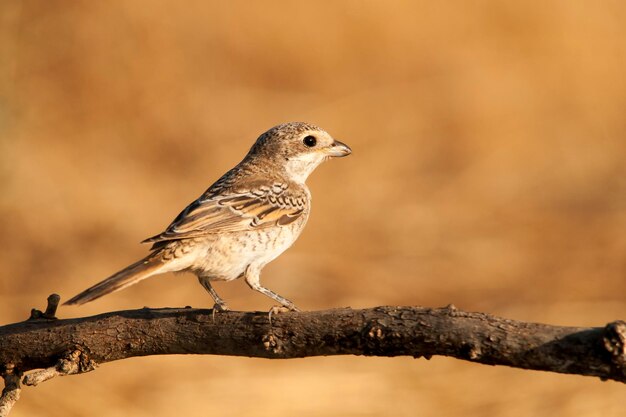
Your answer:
<point x="338" y="149"/>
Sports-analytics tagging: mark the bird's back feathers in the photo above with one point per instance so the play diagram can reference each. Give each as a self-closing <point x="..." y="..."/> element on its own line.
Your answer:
<point x="259" y="205"/>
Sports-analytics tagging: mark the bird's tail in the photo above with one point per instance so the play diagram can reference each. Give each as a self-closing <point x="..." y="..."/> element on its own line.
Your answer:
<point x="132" y="274"/>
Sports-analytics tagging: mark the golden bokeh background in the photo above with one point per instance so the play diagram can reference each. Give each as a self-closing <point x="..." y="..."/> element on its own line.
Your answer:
<point x="488" y="171"/>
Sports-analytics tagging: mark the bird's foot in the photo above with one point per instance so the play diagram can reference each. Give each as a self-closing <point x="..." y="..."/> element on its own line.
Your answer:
<point x="281" y="309"/>
<point x="219" y="308"/>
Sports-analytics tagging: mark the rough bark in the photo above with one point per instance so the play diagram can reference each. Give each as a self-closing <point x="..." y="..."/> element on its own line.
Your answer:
<point x="11" y="391"/>
<point x="78" y="345"/>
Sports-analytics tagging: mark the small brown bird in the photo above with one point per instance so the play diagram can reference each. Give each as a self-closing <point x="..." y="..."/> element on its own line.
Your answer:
<point x="245" y="220"/>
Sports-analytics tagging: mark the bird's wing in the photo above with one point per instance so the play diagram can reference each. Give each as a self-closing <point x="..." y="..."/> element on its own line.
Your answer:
<point x="242" y="209"/>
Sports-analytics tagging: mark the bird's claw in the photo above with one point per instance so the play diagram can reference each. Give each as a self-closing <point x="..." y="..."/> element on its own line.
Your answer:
<point x="281" y="309"/>
<point x="219" y="308"/>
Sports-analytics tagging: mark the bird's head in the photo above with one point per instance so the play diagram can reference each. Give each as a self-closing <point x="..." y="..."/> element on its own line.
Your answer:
<point x="298" y="148"/>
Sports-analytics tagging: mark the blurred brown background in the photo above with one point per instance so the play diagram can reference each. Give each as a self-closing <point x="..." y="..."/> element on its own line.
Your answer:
<point x="488" y="171"/>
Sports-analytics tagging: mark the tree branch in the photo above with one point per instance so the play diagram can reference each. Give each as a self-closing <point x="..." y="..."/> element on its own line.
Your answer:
<point x="11" y="391"/>
<point x="62" y="347"/>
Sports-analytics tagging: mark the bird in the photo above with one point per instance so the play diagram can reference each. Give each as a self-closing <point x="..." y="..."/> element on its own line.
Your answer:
<point x="245" y="220"/>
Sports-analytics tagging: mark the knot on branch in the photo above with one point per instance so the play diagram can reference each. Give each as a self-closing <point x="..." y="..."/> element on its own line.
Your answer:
<point x="51" y="309"/>
<point x="273" y="344"/>
<point x="615" y="343"/>
<point x="472" y="351"/>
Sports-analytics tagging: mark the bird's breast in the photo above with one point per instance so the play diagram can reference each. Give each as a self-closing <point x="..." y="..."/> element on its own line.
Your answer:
<point x="228" y="255"/>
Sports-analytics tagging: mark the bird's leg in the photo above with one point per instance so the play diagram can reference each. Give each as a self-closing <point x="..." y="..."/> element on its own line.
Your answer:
<point x="220" y="305"/>
<point x="252" y="279"/>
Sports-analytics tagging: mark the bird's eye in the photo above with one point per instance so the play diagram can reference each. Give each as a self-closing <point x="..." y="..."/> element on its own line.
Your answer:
<point x="309" y="141"/>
